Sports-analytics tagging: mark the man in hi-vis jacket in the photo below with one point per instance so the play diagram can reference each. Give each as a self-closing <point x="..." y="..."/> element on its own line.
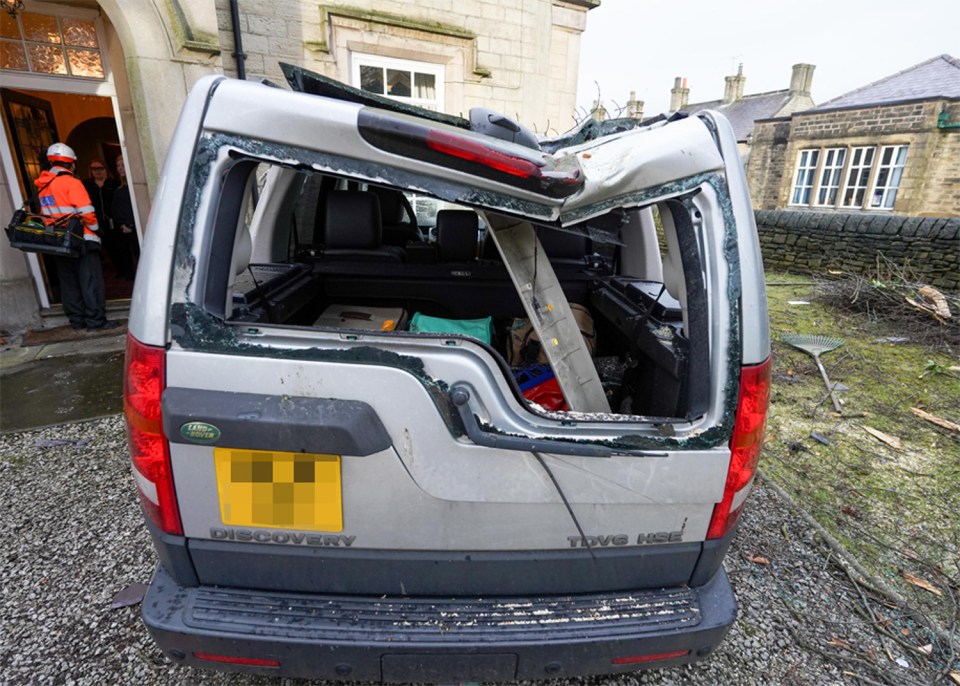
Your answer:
<point x="81" y="278"/>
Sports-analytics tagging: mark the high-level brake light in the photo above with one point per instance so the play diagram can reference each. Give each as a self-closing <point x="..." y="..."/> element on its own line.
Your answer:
<point x="745" y="446"/>
<point x="472" y="151"/>
<point x="143" y="384"/>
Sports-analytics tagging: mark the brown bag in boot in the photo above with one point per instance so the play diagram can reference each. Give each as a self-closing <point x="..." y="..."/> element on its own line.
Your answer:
<point x="525" y="349"/>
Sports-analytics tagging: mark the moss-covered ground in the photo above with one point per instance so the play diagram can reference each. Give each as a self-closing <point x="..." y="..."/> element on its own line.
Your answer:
<point x="895" y="509"/>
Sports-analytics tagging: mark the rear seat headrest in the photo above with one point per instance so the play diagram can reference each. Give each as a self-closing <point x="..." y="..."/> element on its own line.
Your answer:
<point x="457" y="234"/>
<point x="391" y="204"/>
<point x="562" y="245"/>
<point x="353" y="220"/>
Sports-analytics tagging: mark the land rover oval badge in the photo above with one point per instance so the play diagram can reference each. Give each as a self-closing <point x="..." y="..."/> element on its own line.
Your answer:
<point x="200" y="432"/>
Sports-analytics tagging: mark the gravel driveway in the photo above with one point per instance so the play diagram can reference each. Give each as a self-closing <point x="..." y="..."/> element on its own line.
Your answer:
<point x="74" y="537"/>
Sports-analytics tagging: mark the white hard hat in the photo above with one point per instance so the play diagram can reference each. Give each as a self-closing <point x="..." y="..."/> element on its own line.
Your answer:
<point x="60" y="152"/>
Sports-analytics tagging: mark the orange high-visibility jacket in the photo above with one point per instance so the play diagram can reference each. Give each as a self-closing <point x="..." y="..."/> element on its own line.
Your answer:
<point x="63" y="194"/>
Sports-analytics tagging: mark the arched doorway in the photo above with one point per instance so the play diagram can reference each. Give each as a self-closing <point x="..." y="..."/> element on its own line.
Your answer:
<point x="58" y="85"/>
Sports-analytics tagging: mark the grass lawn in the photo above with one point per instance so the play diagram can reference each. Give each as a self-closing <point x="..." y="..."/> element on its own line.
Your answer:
<point x="893" y="498"/>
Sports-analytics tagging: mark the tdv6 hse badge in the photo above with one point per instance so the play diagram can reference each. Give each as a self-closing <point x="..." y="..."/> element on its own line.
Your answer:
<point x="602" y="541"/>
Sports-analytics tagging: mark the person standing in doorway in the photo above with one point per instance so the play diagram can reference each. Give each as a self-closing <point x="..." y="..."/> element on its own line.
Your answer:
<point x="100" y="187"/>
<point x="124" y="220"/>
<point x="81" y="278"/>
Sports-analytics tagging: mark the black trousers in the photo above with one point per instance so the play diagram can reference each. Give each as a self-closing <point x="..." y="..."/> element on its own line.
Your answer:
<point x="116" y="244"/>
<point x="81" y="288"/>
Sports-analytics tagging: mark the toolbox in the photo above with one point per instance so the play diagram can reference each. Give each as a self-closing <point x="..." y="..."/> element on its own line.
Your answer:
<point x="362" y="317"/>
<point x="539" y="385"/>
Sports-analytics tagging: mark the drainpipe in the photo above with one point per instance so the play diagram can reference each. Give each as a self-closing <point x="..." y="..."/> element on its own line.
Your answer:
<point x="241" y="69"/>
<point x="237" y="40"/>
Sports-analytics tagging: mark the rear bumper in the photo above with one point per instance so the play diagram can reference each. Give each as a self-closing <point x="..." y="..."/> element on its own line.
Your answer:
<point x="436" y="639"/>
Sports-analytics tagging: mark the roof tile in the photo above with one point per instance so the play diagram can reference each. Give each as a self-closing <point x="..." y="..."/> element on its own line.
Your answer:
<point x="938" y="77"/>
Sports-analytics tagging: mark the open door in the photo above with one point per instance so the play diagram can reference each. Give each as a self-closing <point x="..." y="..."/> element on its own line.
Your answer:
<point x="58" y="86"/>
<point x="35" y="120"/>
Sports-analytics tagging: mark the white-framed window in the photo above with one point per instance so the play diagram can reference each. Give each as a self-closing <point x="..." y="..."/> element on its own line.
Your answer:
<point x="418" y="83"/>
<point x="805" y="177"/>
<point x="865" y="177"/>
<point x="893" y="158"/>
<point x="830" y="176"/>
<point x="858" y="176"/>
<point x="50" y="44"/>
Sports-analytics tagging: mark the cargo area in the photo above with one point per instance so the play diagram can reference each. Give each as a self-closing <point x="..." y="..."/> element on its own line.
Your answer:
<point x="353" y="257"/>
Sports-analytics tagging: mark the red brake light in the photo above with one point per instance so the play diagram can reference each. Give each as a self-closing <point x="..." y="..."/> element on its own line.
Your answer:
<point x="251" y="661"/>
<point x="745" y="446"/>
<point x="475" y="152"/>
<point x="652" y="657"/>
<point x="143" y="384"/>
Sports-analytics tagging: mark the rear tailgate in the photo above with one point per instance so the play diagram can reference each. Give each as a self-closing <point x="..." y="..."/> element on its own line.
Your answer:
<point x="388" y="480"/>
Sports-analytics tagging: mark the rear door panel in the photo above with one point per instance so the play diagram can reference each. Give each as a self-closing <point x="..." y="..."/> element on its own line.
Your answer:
<point x="430" y="491"/>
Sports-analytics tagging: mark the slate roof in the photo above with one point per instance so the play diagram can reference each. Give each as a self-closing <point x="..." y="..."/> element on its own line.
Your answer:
<point x="938" y="77"/>
<point x="744" y="112"/>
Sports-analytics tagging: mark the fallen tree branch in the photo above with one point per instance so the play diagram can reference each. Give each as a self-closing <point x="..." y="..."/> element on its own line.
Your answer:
<point x="853" y="569"/>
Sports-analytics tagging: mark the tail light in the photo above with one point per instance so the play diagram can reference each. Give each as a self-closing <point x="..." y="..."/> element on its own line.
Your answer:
<point x="745" y="445"/>
<point x="143" y="384"/>
<point x="471" y="153"/>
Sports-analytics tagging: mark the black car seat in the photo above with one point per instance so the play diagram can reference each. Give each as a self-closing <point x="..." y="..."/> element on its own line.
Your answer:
<point x="457" y="234"/>
<point x="398" y="220"/>
<point x="352" y="229"/>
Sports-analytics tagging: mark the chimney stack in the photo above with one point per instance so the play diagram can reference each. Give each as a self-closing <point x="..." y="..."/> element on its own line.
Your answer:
<point x="599" y="112"/>
<point x="679" y="95"/>
<point x="634" y="106"/>
<point x="733" y="90"/>
<point x="801" y="79"/>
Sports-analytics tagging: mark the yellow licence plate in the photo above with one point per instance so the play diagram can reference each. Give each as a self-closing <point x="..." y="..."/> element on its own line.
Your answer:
<point x="279" y="490"/>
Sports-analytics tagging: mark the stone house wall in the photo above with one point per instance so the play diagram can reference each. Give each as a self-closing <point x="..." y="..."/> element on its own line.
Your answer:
<point x="931" y="180"/>
<point x="848" y="241"/>
<point x="520" y="58"/>
<point x="765" y="168"/>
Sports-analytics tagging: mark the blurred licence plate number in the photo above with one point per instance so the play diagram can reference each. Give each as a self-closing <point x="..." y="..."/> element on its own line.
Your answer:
<point x="279" y="490"/>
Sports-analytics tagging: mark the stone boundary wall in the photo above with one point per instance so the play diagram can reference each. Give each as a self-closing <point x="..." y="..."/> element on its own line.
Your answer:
<point x="817" y="241"/>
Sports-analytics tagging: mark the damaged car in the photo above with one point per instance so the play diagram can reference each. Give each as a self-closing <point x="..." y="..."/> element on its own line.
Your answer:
<point x="414" y="397"/>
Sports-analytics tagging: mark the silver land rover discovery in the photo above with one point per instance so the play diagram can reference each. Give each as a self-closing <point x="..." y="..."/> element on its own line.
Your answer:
<point x="512" y="444"/>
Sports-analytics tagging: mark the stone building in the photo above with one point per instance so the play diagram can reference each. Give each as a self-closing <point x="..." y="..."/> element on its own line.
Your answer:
<point x="109" y="77"/>
<point x="743" y="110"/>
<point x="892" y="147"/>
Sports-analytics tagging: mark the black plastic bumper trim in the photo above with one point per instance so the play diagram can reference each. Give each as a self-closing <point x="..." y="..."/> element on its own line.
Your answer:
<point x="268" y="422"/>
<point x="397" y="572"/>
<point x="349" y="637"/>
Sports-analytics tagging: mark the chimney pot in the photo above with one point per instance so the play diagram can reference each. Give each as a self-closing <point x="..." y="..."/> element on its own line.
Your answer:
<point x="801" y="79"/>
<point x="733" y="90"/>
<point x="679" y="95"/>
<point x="634" y="106"/>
